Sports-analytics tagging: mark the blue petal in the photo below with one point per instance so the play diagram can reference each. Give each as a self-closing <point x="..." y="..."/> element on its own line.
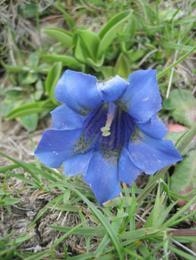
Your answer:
<point x="56" y="146"/>
<point x="102" y="177"/>
<point x="78" y="90"/>
<point x="113" y="88"/>
<point x="64" y="117"/>
<point x="151" y="155"/>
<point x="154" y="128"/>
<point x="127" y="171"/>
<point x="77" y="164"/>
<point x="142" y="97"/>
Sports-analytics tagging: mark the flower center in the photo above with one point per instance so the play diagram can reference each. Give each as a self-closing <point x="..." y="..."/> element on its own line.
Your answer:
<point x="107" y="128"/>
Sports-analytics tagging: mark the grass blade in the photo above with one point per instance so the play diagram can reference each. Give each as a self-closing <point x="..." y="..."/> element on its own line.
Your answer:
<point x="105" y="223"/>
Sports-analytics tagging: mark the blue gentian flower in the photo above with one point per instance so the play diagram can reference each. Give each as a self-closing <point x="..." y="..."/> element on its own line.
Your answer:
<point x="107" y="131"/>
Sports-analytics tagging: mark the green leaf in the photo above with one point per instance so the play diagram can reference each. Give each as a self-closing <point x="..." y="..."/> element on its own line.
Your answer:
<point x="135" y="55"/>
<point x="33" y="59"/>
<point x="107" y="71"/>
<point x="28" y="10"/>
<point x="31" y="108"/>
<point x="52" y="78"/>
<point x="110" y="30"/>
<point x="15" y="68"/>
<point x="159" y="212"/>
<point x="66" y="60"/>
<point x="122" y="67"/>
<point x="184" y="177"/>
<point x="4" y="169"/>
<point x="174" y="136"/>
<point x="39" y="90"/>
<point x="183" y="106"/>
<point x="184" y="140"/>
<point x="86" y="45"/>
<point x="181" y="253"/>
<point x="84" y="231"/>
<point x="8" y="201"/>
<point x="29" y="121"/>
<point x="98" y="63"/>
<point x="104" y="221"/>
<point x="140" y="234"/>
<point x="28" y="78"/>
<point x="181" y="214"/>
<point x="60" y="35"/>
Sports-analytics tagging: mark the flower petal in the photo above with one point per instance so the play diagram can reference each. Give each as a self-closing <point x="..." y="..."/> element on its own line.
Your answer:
<point x="64" y="117"/>
<point x="127" y="171"/>
<point x="57" y="145"/>
<point x="154" y="128"/>
<point x="151" y="155"/>
<point x="78" y="90"/>
<point x="113" y="88"/>
<point x="77" y="164"/>
<point x="102" y="177"/>
<point x="142" y="97"/>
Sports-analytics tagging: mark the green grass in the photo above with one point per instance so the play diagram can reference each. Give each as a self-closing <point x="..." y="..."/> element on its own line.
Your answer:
<point x="45" y="215"/>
